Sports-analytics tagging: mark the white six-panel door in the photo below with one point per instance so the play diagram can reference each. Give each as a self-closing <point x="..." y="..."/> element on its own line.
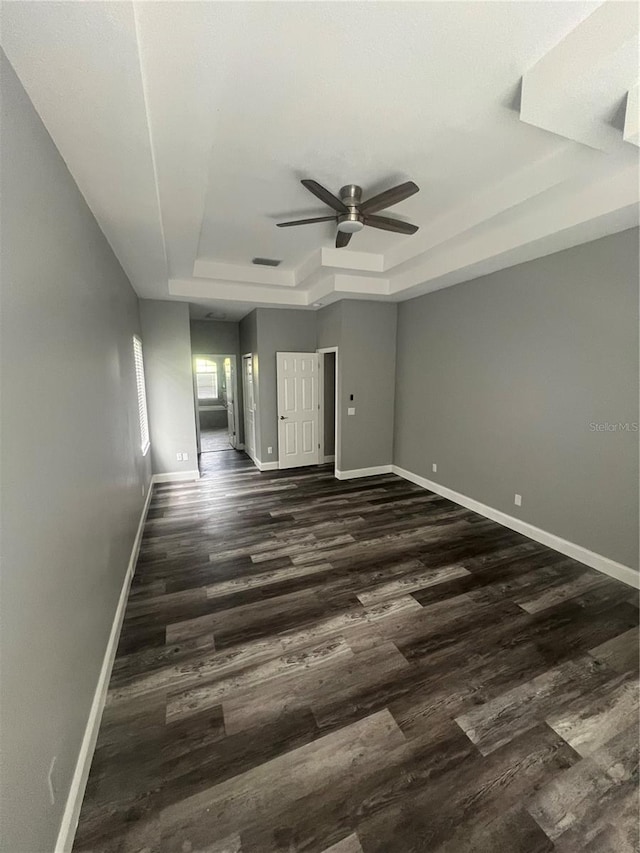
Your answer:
<point x="297" y="375"/>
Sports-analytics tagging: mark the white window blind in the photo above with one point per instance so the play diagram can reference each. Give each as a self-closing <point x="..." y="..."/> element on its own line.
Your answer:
<point x="206" y="379"/>
<point x="142" y="395"/>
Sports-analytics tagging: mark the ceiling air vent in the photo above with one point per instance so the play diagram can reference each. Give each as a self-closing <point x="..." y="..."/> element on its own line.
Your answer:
<point x="266" y="262"/>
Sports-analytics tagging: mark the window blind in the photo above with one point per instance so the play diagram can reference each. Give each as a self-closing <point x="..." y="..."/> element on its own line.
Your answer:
<point x="142" y="395"/>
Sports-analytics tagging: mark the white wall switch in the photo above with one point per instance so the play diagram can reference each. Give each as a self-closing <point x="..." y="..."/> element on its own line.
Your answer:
<point x="269" y="450"/>
<point x="434" y="467"/>
<point x="351" y="411"/>
<point x="179" y="457"/>
<point x="185" y="457"/>
<point x="518" y="500"/>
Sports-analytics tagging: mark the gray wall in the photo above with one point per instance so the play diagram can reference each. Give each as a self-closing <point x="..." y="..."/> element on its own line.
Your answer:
<point x="213" y="419"/>
<point x="279" y="330"/>
<point x="329" y="325"/>
<point x="367" y="361"/>
<point x="498" y="382"/>
<point x="73" y="474"/>
<point x="166" y="345"/>
<point x="224" y="337"/>
<point x="365" y="334"/>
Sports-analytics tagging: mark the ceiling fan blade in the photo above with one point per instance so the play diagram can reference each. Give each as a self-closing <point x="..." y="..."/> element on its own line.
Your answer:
<point x="387" y="224"/>
<point x="307" y="221"/>
<point x="389" y="197"/>
<point x="342" y="239"/>
<point x="324" y="195"/>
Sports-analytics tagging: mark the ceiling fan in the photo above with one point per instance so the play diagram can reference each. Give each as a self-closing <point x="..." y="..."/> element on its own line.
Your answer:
<point x="353" y="213"/>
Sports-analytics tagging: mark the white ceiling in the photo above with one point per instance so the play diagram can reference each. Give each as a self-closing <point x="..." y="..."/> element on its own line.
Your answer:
<point x="188" y="127"/>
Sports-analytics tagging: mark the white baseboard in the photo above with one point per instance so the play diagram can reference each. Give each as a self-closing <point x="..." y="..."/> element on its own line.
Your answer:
<point x="176" y="477"/>
<point x="328" y="459"/>
<point x="73" y="805"/>
<point x="583" y="555"/>
<point x="261" y="466"/>
<point x="354" y="473"/>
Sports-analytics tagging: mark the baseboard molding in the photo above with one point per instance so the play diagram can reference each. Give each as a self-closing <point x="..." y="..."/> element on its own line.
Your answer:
<point x="261" y="466"/>
<point x="354" y="473"/>
<point x="328" y="459"/>
<point x="583" y="555"/>
<point x="73" y="805"/>
<point x="176" y="477"/>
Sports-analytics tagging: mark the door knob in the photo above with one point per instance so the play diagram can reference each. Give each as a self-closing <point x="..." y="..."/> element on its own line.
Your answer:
<point x="282" y="418"/>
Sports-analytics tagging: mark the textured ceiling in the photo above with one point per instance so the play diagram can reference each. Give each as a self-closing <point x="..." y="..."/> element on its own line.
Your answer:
<point x="188" y="127"/>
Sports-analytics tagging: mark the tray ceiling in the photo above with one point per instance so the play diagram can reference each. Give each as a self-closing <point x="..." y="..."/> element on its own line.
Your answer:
<point x="188" y="127"/>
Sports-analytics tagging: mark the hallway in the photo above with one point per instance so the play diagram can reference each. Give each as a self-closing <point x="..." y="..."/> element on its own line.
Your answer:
<point x="214" y="438"/>
<point x="306" y="662"/>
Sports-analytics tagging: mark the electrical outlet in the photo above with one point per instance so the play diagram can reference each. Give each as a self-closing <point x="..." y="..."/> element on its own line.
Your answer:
<point x="179" y="457"/>
<point x="351" y="411"/>
<point x="518" y="500"/>
<point x="434" y="467"/>
<point x="269" y="450"/>
<point x="51" y="781"/>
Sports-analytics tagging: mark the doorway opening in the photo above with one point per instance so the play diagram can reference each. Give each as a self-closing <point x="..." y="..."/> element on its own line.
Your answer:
<point x="215" y="393"/>
<point x="329" y="432"/>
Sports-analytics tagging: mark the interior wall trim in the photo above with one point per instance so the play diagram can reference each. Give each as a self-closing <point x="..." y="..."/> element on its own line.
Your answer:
<point x="577" y="552"/>
<point x="252" y="458"/>
<point x="261" y="466"/>
<point x="71" y="813"/>
<point x="175" y="476"/>
<point x="354" y="473"/>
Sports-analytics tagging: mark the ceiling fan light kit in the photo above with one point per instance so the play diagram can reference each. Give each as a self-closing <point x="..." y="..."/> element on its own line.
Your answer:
<point x="350" y="223"/>
<point x="353" y="213"/>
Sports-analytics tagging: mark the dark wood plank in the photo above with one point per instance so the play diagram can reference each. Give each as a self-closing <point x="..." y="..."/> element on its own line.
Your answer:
<point x="314" y="665"/>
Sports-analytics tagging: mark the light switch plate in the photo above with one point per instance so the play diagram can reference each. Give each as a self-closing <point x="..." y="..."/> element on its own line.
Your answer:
<point x="351" y="411"/>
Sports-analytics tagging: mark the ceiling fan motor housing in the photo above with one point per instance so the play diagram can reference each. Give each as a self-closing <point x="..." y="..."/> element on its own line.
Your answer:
<point x="351" y="196"/>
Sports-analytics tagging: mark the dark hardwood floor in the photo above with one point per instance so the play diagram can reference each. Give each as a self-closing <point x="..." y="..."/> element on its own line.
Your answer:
<point x="314" y="665"/>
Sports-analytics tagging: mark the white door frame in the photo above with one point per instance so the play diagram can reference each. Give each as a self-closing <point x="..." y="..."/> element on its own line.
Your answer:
<point x="321" y="352"/>
<point x="215" y="355"/>
<point x="252" y="453"/>
<point x="234" y="364"/>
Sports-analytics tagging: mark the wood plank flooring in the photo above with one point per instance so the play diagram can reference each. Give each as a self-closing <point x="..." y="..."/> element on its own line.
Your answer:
<point x="350" y="667"/>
